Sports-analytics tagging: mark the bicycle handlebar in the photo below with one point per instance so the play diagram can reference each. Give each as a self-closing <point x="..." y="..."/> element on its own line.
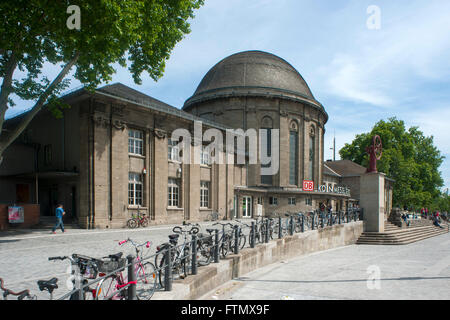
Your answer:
<point x="22" y="294"/>
<point x="179" y="230"/>
<point x="146" y="243"/>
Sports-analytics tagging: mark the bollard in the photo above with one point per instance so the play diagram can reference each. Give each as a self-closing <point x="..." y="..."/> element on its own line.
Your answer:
<point x="236" y="239"/>
<point x="252" y="235"/>
<point x="339" y="217"/>
<point x="266" y="234"/>
<point x="168" y="270"/>
<point x="303" y="223"/>
<point x="313" y="222"/>
<point x="216" y="246"/>
<point x="131" y="278"/>
<point x="194" y="254"/>
<point x="321" y="222"/>
<point x="280" y="231"/>
<point x="291" y="225"/>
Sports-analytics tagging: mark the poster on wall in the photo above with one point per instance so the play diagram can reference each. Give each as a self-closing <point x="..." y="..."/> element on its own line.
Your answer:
<point x="15" y="215"/>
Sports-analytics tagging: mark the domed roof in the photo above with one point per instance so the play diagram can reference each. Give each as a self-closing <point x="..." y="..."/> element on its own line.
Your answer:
<point x="252" y="72"/>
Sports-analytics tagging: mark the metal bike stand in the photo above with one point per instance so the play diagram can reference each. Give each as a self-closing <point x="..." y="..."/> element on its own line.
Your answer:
<point x="236" y="239"/>
<point x="131" y="278"/>
<point x="216" y="246"/>
<point x="279" y="228"/>
<point x="194" y="254"/>
<point x="168" y="270"/>
<point x="252" y="235"/>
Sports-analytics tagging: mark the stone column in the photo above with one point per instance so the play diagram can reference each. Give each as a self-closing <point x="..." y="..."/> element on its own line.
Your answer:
<point x="372" y="201"/>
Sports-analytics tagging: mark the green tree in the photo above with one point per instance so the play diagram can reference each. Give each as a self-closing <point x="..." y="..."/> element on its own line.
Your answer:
<point x="409" y="157"/>
<point x="34" y="32"/>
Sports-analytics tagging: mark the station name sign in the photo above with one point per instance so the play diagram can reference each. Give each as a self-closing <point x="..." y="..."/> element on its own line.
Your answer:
<point x="334" y="189"/>
<point x="308" y="185"/>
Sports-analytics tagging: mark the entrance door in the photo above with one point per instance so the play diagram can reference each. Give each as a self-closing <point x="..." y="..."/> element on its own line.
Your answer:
<point x="246" y="207"/>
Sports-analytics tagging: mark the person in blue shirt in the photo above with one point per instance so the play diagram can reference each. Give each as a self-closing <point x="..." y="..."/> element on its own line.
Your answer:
<point x="59" y="218"/>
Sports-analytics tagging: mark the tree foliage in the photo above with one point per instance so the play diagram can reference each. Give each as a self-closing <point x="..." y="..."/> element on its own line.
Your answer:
<point x="409" y="157"/>
<point x="33" y="32"/>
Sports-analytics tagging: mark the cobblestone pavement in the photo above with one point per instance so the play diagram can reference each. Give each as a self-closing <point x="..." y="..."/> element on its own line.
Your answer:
<point x="420" y="270"/>
<point x="24" y="255"/>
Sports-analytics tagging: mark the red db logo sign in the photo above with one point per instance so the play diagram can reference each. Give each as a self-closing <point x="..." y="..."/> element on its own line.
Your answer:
<point x="308" y="185"/>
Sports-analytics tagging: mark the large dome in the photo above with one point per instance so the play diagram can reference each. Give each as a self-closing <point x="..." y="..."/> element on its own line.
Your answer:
<point x="252" y="72"/>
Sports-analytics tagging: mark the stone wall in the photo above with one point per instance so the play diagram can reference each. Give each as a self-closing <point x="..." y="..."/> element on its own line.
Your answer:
<point x="31" y="216"/>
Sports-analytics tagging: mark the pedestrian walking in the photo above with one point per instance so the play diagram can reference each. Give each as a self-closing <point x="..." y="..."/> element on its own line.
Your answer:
<point x="59" y="212"/>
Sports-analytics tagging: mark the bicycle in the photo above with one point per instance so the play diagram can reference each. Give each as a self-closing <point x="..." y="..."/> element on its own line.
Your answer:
<point x="114" y="286"/>
<point x="137" y="220"/>
<point x="83" y="266"/>
<point x="241" y="235"/>
<point x="213" y="216"/>
<point x="145" y="271"/>
<point x="225" y="239"/>
<point x="181" y="258"/>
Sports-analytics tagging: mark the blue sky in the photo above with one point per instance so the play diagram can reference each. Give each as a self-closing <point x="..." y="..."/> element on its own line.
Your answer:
<point x="359" y="75"/>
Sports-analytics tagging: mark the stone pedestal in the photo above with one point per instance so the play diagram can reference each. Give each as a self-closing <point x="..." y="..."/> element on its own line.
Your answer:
<point x="372" y="200"/>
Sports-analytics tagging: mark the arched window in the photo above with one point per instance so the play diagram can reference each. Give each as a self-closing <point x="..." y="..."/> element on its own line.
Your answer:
<point x="267" y="124"/>
<point x="312" y="146"/>
<point x="293" y="153"/>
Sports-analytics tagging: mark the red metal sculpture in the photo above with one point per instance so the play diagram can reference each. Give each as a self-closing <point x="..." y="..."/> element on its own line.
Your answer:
<point x="374" y="151"/>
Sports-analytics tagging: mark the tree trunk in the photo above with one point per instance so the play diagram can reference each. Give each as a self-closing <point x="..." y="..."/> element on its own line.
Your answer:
<point x="6" y="88"/>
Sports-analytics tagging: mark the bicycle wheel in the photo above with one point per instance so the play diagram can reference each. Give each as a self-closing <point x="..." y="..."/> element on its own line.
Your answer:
<point x="204" y="254"/>
<point x="225" y="247"/>
<point x="146" y="281"/>
<point x="132" y="223"/>
<point x="176" y="271"/>
<point x="242" y="241"/>
<point x="144" y="222"/>
<point x="105" y="288"/>
<point x="186" y="263"/>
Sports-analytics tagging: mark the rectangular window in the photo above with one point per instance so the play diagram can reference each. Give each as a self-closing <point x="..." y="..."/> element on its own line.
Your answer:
<point x="205" y="157"/>
<point x="173" y="193"/>
<point x="135" y="142"/>
<point x="134" y="189"/>
<point x="293" y="163"/>
<point x="173" y="150"/>
<point x="308" y="201"/>
<point x="292" y="201"/>
<point x="204" y="194"/>
<point x="273" y="201"/>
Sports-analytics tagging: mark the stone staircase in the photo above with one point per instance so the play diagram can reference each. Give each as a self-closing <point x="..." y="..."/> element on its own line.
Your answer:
<point x="394" y="235"/>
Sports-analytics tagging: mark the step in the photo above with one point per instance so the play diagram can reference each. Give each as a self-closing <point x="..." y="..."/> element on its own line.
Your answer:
<point x="412" y="238"/>
<point x="401" y="232"/>
<point x="402" y="238"/>
<point x="401" y="235"/>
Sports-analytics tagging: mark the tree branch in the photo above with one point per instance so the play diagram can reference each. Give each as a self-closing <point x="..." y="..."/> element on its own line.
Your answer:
<point x="7" y="139"/>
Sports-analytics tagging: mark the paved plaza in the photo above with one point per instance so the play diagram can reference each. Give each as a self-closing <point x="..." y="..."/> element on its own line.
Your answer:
<point x="419" y="270"/>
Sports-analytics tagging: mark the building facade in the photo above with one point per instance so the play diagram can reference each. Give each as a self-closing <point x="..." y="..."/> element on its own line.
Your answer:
<point x="112" y="153"/>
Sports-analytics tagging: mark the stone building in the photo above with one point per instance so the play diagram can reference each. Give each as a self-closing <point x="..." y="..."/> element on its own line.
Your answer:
<point x="112" y="153"/>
